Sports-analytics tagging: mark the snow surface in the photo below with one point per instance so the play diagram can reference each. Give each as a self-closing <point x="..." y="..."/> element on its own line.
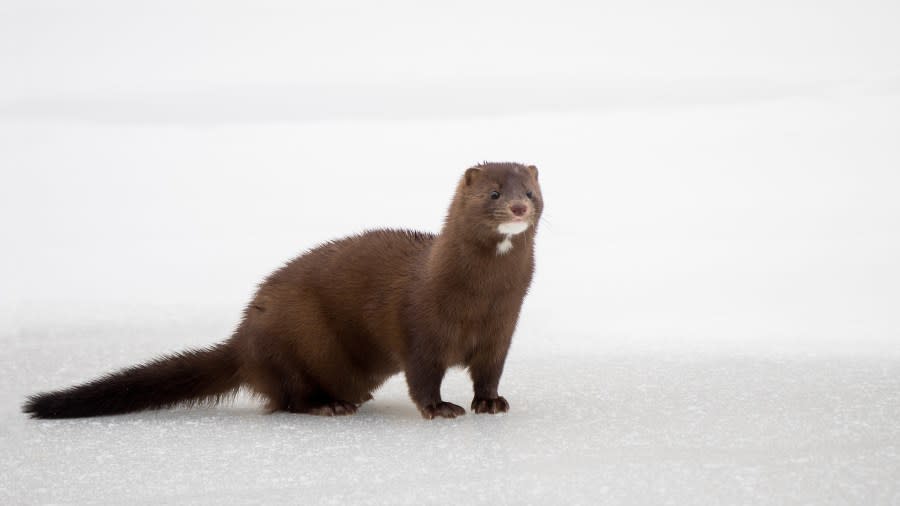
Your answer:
<point x="589" y="428"/>
<point x="714" y="315"/>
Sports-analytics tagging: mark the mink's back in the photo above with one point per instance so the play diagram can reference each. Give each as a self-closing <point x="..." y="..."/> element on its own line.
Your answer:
<point x="360" y="284"/>
<point x="375" y="258"/>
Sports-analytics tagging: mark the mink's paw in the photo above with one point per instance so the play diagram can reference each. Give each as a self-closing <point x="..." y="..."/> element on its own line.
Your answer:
<point x="442" y="409"/>
<point x="333" y="408"/>
<point x="492" y="406"/>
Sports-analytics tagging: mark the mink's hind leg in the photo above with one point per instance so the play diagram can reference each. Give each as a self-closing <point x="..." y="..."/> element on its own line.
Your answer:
<point x="303" y="367"/>
<point x="287" y="388"/>
<point x="303" y="397"/>
<point x="332" y="408"/>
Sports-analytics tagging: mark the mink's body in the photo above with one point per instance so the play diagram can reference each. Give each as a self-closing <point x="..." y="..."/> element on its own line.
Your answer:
<point x="332" y="325"/>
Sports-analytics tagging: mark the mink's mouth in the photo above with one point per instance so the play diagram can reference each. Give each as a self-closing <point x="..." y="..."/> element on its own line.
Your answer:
<point x="513" y="226"/>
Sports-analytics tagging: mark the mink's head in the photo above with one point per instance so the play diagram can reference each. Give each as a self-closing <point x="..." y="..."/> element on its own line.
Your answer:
<point x="498" y="199"/>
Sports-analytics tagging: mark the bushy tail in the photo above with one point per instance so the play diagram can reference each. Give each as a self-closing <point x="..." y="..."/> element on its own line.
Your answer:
<point x="190" y="377"/>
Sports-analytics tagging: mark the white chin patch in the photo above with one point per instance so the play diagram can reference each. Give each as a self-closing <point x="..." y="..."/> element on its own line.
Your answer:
<point x="504" y="246"/>
<point x="512" y="227"/>
<point x="509" y="229"/>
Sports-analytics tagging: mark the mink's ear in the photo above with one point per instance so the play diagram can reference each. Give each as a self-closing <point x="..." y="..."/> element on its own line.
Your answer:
<point x="533" y="170"/>
<point x="472" y="175"/>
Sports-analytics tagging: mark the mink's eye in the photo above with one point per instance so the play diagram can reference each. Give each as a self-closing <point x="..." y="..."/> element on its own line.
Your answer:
<point x="529" y="194"/>
<point x="495" y="195"/>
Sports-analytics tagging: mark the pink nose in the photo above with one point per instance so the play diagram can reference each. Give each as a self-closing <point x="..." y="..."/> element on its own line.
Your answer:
<point x="519" y="209"/>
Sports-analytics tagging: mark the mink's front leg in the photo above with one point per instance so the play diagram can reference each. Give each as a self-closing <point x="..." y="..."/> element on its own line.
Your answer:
<point x="486" y="367"/>
<point x="424" y="378"/>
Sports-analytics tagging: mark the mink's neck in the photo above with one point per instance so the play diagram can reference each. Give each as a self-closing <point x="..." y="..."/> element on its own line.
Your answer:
<point x="470" y="252"/>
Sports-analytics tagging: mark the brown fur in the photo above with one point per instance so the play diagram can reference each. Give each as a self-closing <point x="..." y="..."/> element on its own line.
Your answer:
<point x="332" y="325"/>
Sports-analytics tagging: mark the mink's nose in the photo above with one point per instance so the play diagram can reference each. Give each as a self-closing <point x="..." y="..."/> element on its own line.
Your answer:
<point x="519" y="209"/>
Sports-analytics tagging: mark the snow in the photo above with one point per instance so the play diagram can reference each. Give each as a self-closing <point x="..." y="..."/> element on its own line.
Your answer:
<point x="714" y="315"/>
<point x="616" y="427"/>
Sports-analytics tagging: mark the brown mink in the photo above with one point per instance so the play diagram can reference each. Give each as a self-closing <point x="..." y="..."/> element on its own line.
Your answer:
<point x="330" y="326"/>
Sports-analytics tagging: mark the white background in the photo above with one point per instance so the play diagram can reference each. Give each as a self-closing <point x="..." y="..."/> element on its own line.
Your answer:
<point x="714" y="314"/>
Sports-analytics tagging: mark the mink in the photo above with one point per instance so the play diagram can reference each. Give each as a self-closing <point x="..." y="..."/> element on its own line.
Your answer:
<point x="329" y="327"/>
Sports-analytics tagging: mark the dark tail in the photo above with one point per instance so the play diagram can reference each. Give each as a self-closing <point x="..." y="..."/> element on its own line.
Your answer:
<point x="188" y="378"/>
